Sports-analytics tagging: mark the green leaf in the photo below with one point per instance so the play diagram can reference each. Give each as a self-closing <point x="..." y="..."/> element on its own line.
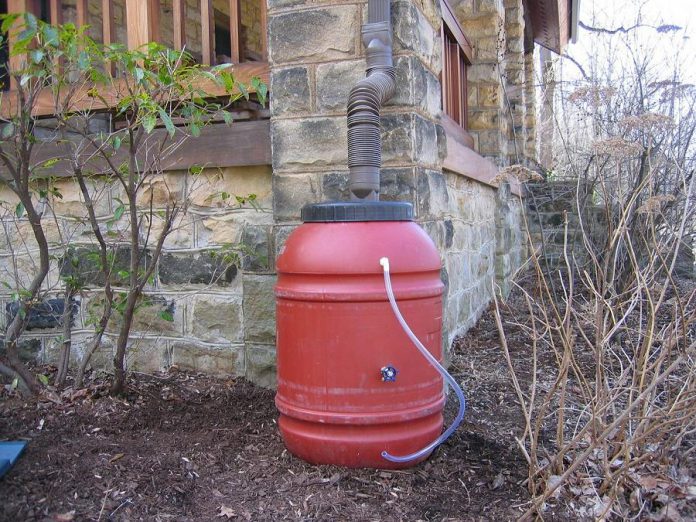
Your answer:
<point x="123" y="274"/>
<point x="19" y="209"/>
<point x="169" y="125"/>
<point x="118" y="212"/>
<point x="227" y="117"/>
<point x="43" y="378"/>
<point x="166" y="315"/>
<point x="195" y="130"/>
<point x="37" y="55"/>
<point x="49" y="163"/>
<point x="116" y="142"/>
<point x="50" y="35"/>
<point x="138" y="74"/>
<point x="8" y="130"/>
<point x="15" y="383"/>
<point x="149" y="122"/>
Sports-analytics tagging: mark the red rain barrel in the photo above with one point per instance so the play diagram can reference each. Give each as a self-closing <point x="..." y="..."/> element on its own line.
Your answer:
<point x="336" y="333"/>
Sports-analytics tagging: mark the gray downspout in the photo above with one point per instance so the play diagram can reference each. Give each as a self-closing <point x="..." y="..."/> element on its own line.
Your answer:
<point x="365" y="100"/>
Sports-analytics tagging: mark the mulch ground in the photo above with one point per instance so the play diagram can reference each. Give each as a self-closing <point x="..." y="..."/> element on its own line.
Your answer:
<point x="189" y="447"/>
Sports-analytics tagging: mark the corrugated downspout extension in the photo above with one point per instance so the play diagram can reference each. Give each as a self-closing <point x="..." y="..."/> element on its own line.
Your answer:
<point x="365" y="100"/>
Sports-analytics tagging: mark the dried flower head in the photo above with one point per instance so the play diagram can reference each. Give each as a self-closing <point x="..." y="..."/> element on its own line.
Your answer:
<point x="654" y="203"/>
<point x="648" y="122"/>
<point x="518" y="172"/>
<point x="591" y="95"/>
<point x="617" y="147"/>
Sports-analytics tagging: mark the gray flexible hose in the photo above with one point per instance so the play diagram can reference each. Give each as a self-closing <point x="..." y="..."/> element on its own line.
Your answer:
<point x="434" y="362"/>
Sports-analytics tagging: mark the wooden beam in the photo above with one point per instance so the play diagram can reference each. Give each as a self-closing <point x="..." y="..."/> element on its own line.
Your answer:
<point x="207" y="33"/>
<point x="45" y="104"/>
<point x="179" y="22"/>
<point x="263" y="22"/>
<point x="154" y="18"/>
<point x="138" y="26"/>
<point x="240" y="144"/>
<point x="108" y="33"/>
<point x="462" y="159"/>
<point x="55" y="8"/>
<point x="235" y="32"/>
<point x="81" y="12"/>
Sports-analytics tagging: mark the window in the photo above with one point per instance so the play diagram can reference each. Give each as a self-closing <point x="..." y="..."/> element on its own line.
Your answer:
<point x="456" y="56"/>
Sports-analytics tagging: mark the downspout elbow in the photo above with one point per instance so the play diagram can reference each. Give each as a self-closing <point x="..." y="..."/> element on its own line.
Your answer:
<point x="364" y="103"/>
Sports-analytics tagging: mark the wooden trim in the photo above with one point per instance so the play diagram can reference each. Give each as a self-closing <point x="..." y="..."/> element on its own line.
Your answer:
<point x="264" y="24"/>
<point x="154" y="19"/>
<point x="455" y="28"/>
<point x="455" y="132"/>
<point x="463" y="160"/>
<point x="240" y="144"/>
<point x="55" y="12"/>
<point x="207" y="33"/>
<point x="138" y="26"/>
<point x="45" y="105"/>
<point x="179" y="23"/>
<point x="81" y="10"/>
<point x="235" y="32"/>
<point x="108" y="32"/>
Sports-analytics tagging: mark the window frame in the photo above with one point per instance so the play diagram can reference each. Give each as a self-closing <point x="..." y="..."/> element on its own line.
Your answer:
<point x="456" y="56"/>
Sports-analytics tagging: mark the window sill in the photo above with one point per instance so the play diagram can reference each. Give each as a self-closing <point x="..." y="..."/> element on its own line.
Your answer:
<point x="462" y="159"/>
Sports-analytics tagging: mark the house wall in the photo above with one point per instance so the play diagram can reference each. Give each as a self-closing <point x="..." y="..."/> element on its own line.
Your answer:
<point x="316" y="55"/>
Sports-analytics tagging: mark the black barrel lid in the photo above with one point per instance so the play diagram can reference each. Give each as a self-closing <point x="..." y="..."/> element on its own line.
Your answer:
<point x="342" y="211"/>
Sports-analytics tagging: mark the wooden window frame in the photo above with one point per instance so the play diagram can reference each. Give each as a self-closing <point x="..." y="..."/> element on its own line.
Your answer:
<point x="456" y="56"/>
<point x="144" y="28"/>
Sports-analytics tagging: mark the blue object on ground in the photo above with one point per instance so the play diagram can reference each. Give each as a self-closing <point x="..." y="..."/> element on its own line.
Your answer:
<point x="9" y="453"/>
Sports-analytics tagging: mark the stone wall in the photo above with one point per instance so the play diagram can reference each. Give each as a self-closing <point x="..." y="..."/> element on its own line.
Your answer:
<point x="222" y="316"/>
<point x="315" y="55"/>
<point x="312" y="73"/>
<point x="500" y="79"/>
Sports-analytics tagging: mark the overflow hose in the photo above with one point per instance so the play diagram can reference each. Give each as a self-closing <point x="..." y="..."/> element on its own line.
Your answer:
<point x="424" y="351"/>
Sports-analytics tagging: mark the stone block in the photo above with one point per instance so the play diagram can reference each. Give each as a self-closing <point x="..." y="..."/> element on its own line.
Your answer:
<point x="291" y="193"/>
<point x="433" y="197"/>
<point x="224" y="360"/>
<point x="200" y="268"/>
<point x="72" y="203"/>
<point x="46" y="314"/>
<point x="316" y="142"/>
<point x="484" y="120"/>
<point x="256" y="248"/>
<point x="83" y="264"/>
<point x="489" y="96"/>
<point x="147" y="355"/>
<point x="334" y="82"/>
<point x="483" y="73"/>
<point x="398" y="184"/>
<point x="291" y="92"/>
<point x="317" y="35"/>
<point x="279" y="4"/>
<point x="30" y="349"/>
<point x="259" y="309"/>
<point x="397" y="138"/>
<point x="161" y="191"/>
<point x="217" y="318"/>
<point x="413" y="32"/>
<point x="219" y="188"/>
<point x="426" y="141"/>
<point x="334" y="186"/>
<point x="416" y="86"/>
<point x="261" y="365"/>
<point x="179" y="235"/>
<point x="280" y="236"/>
